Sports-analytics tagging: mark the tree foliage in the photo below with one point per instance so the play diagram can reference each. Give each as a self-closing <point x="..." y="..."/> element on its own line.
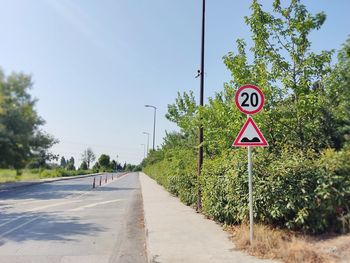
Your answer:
<point x="70" y="165"/>
<point x="88" y="157"/>
<point x="21" y="137"/>
<point x="104" y="160"/>
<point x="63" y="162"/>
<point x="83" y="166"/>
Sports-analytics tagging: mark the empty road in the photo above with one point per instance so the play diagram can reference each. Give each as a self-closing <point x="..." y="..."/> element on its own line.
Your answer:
<point x="68" y="221"/>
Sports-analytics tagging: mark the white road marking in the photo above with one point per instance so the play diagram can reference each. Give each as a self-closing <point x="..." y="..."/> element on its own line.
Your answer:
<point x="19" y="226"/>
<point x="52" y="205"/>
<point x="80" y="208"/>
<point x="32" y="202"/>
<point x="38" y="209"/>
<point x="11" y="220"/>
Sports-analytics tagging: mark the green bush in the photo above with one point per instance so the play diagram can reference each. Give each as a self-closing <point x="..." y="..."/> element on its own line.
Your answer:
<point x="305" y="192"/>
<point x="50" y="173"/>
<point x="62" y="173"/>
<point x="308" y="192"/>
<point x="225" y="189"/>
<point x="177" y="173"/>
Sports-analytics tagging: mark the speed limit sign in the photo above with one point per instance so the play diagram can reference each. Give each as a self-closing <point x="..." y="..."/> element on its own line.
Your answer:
<point x="249" y="99"/>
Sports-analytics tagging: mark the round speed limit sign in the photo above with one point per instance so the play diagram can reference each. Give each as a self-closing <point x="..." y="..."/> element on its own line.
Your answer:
<point x="249" y="99"/>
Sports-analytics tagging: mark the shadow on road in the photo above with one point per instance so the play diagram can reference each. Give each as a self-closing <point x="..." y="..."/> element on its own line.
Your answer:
<point x="20" y="227"/>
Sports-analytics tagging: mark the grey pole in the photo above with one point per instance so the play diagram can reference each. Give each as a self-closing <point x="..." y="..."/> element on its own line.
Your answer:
<point x="154" y="126"/>
<point x="250" y="179"/>
<point x="201" y="102"/>
<point x="154" y="123"/>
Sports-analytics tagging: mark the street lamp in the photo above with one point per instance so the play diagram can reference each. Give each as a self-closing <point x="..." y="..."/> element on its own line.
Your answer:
<point x="147" y="141"/>
<point x="154" y="122"/>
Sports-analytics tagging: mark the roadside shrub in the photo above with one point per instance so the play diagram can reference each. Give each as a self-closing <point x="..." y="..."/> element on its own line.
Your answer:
<point x="177" y="173"/>
<point x="224" y="186"/>
<point x="62" y="173"/>
<point x="50" y="173"/>
<point x="158" y="172"/>
<point x="308" y="192"/>
<point x="83" y="172"/>
<point x="304" y="191"/>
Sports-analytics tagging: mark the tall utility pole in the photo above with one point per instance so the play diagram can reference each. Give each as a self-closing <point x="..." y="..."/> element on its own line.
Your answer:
<point x="154" y="122"/>
<point x="201" y="100"/>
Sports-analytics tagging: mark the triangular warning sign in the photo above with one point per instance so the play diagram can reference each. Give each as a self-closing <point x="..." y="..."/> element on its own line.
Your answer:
<point x="250" y="135"/>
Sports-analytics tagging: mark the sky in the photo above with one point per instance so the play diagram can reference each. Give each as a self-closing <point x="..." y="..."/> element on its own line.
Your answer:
<point x="96" y="63"/>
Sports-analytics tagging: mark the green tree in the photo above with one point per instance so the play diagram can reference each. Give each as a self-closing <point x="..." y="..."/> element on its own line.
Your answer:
<point x="21" y="137"/>
<point x="88" y="156"/>
<point x="113" y="165"/>
<point x="63" y="162"/>
<point x="129" y="167"/>
<point x="104" y="161"/>
<point x="83" y="166"/>
<point x="290" y="74"/>
<point x="337" y="102"/>
<point x="42" y="159"/>
<point x="70" y="164"/>
<point x="96" y="167"/>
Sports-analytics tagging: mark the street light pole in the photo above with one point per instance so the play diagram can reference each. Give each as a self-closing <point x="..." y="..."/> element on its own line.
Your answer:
<point x="147" y="141"/>
<point x="154" y="122"/>
<point x="201" y="103"/>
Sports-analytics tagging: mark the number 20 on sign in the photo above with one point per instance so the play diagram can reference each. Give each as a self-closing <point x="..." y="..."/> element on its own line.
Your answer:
<point x="249" y="99"/>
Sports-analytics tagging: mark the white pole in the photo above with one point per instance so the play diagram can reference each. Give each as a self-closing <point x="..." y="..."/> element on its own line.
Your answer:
<point x="250" y="179"/>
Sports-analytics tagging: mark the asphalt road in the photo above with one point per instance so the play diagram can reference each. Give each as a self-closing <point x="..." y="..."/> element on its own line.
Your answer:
<point x="68" y="221"/>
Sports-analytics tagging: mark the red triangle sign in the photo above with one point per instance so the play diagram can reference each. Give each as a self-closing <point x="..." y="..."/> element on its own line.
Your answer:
<point x="250" y="135"/>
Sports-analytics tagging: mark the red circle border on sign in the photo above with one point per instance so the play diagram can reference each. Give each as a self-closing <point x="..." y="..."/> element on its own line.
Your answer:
<point x="260" y="93"/>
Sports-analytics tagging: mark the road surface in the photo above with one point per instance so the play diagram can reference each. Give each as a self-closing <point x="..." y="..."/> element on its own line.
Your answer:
<point x="68" y="221"/>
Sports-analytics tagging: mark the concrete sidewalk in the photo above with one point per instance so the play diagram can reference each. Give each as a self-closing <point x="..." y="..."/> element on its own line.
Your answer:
<point x="176" y="233"/>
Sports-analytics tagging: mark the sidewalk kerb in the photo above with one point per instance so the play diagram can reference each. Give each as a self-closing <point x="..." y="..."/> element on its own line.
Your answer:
<point x="148" y="251"/>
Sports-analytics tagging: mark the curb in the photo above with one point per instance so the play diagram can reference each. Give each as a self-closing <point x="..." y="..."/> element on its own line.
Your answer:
<point x="148" y="250"/>
<point x="4" y="187"/>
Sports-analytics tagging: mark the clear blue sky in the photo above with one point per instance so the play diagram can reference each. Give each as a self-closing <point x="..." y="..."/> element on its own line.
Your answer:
<point x="95" y="64"/>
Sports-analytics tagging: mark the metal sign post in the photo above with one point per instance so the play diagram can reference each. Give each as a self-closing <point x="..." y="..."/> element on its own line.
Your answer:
<point x="249" y="99"/>
<point x="250" y="182"/>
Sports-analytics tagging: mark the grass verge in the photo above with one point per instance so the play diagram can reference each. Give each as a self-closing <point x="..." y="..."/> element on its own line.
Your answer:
<point x="291" y="247"/>
<point x="9" y="175"/>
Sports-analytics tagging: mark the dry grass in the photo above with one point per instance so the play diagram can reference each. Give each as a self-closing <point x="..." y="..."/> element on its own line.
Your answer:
<point x="278" y="244"/>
